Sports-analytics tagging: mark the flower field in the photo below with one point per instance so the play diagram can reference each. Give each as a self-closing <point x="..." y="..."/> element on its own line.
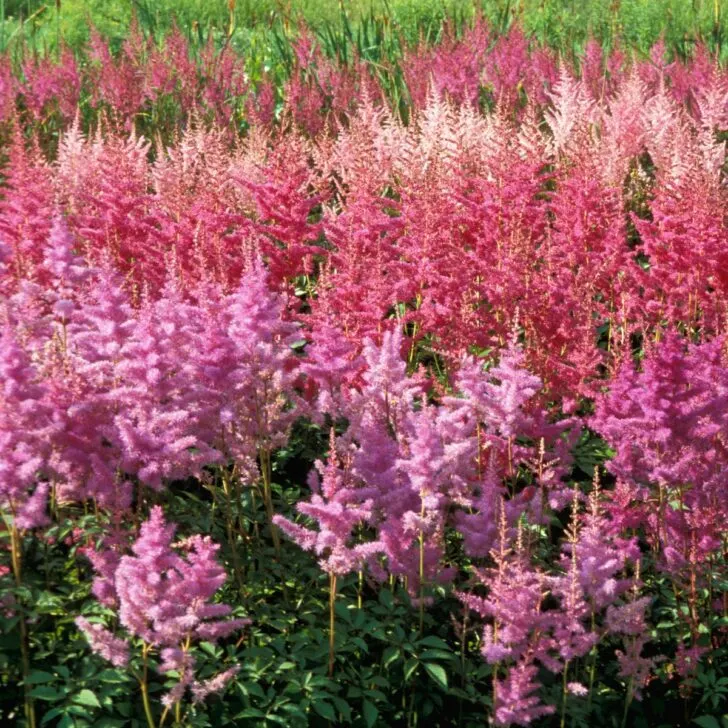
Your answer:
<point x="364" y="393"/>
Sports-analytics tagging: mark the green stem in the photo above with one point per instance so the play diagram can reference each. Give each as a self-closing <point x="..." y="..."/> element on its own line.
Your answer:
<point x="564" y="694"/>
<point x="422" y="573"/>
<point x="16" y="560"/>
<point x="265" y="468"/>
<point x="145" y="689"/>
<point x="592" y="665"/>
<point x="627" y="702"/>
<point x="463" y="677"/>
<point x="332" y="622"/>
<point x="230" y="527"/>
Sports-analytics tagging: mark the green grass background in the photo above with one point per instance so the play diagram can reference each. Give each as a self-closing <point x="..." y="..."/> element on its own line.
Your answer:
<point x="376" y="28"/>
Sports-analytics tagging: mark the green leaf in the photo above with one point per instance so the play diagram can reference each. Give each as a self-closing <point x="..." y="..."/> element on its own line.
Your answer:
<point x="112" y="676"/>
<point x="251" y="713"/>
<point x="343" y="707"/>
<point x="436" y="655"/>
<point x="432" y="641"/>
<point x="210" y="649"/>
<point x="39" y="676"/>
<point x="437" y="673"/>
<point x="46" y="692"/>
<point x="707" y="721"/>
<point x="386" y="598"/>
<point x="409" y="667"/>
<point x="51" y="714"/>
<point x="370" y="712"/>
<point x="389" y="656"/>
<point x="88" y="698"/>
<point x="324" y="710"/>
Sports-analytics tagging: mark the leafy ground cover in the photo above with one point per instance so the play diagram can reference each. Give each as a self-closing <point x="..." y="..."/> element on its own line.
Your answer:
<point x="361" y="393"/>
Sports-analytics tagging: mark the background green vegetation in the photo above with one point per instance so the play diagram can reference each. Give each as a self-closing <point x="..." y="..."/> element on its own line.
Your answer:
<point x="376" y="28"/>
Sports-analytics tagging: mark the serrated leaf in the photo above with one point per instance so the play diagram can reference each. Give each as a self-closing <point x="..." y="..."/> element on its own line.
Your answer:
<point x="389" y="656"/>
<point x="39" y="676"/>
<point x="409" y="667"/>
<point x="433" y="641"/>
<point x="437" y="673"/>
<point x="706" y="721"/>
<point x="87" y="697"/>
<point x="51" y="714"/>
<point x="324" y="709"/>
<point x="370" y="713"/>
<point x="112" y="676"/>
<point x="250" y="713"/>
<point x="210" y="649"/>
<point x="45" y="692"/>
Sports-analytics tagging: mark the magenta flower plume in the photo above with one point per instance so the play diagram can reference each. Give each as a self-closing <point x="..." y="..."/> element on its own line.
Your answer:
<point x="338" y="505"/>
<point x="104" y="643"/>
<point x="24" y="429"/>
<point x="163" y="598"/>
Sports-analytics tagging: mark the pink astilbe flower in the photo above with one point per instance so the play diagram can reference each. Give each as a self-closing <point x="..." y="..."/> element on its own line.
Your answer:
<point x="252" y="382"/>
<point x="515" y="702"/>
<point x="49" y="84"/>
<point x="517" y="632"/>
<point x="158" y="426"/>
<point x="687" y="659"/>
<point x="453" y="67"/>
<point x="629" y="620"/>
<point x="24" y="428"/>
<point x="332" y="366"/>
<point x="163" y="598"/>
<point x="338" y="505"/>
<point x="201" y="690"/>
<point x="517" y="627"/>
<point x="351" y="297"/>
<point x="104" y="643"/>
<point x="667" y="424"/>
<point x="522" y="633"/>
<point x="26" y="209"/>
<point x="386" y="394"/>
<point x="282" y="229"/>
<point x="494" y="407"/>
<point x="598" y="556"/>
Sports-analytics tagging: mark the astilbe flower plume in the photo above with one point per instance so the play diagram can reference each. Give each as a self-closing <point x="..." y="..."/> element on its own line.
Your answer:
<point x="629" y="620"/>
<point x="491" y="411"/>
<point x="536" y="618"/>
<point x="597" y="556"/>
<point x="339" y="506"/>
<point x="164" y="600"/>
<point x="158" y="427"/>
<point x="517" y="635"/>
<point x="24" y="427"/>
<point x="668" y="426"/>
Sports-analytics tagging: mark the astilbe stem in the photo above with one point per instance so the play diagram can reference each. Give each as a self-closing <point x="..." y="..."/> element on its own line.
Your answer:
<point x="332" y="622"/>
<point x="144" y="687"/>
<point x="16" y="560"/>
